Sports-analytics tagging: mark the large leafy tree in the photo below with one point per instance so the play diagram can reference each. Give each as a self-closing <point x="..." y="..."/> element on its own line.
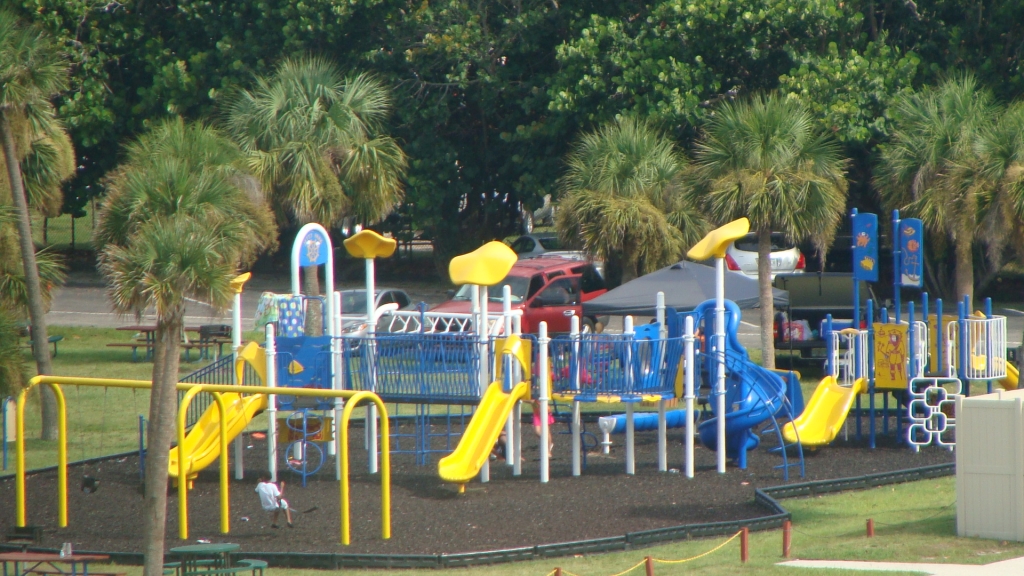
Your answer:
<point x="316" y="141"/>
<point x="32" y="71"/>
<point x="181" y="217"/>
<point x="622" y="199"/>
<point x="934" y="168"/>
<point x="764" y="159"/>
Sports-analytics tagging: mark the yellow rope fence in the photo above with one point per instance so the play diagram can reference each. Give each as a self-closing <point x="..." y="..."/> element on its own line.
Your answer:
<point x="563" y="572"/>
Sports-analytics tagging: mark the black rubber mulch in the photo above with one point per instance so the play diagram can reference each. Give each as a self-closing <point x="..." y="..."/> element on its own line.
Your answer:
<point x="428" y="516"/>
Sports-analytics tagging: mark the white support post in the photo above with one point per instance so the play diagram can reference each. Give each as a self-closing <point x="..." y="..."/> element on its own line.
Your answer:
<point x="662" y="438"/>
<point x="371" y="329"/>
<point x="574" y="334"/>
<point x="271" y="354"/>
<point x="236" y="347"/>
<point x="690" y="369"/>
<point x="628" y="332"/>
<point x="517" y="442"/>
<point x="510" y="428"/>
<point x="545" y="393"/>
<point x="480" y="319"/>
<point x="720" y="358"/>
<point x="338" y="345"/>
<point x="660" y="315"/>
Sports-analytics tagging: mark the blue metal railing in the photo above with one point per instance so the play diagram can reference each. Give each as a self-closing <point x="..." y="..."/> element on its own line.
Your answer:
<point x="614" y="365"/>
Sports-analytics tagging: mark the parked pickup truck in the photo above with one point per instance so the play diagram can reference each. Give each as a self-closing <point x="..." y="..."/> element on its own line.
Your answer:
<point x="547" y="288"/>
<point x="811" y="298"/>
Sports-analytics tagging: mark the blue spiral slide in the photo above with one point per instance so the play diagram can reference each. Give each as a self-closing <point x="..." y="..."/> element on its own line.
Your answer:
<point x="753" y="394"/>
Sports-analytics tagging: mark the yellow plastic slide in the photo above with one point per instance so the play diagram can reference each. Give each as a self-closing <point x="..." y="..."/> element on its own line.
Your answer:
<point x="825" y="412"/>
<point x="202" y="444"/>
<point x="1012" y="379"/>
<point x="473" y="450"/>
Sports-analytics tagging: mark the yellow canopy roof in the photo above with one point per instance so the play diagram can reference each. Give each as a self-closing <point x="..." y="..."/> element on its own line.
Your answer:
<point x="369" y="244"/>
<point x="716" y="242"/>
<point x="485" y="266"/>
<point x="239" y="281"/>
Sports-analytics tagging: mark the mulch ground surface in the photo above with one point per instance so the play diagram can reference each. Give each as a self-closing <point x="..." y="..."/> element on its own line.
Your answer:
<point x="429" y="516"/>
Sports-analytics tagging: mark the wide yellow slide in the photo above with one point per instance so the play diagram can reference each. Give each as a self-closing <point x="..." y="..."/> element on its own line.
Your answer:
<point x="465" y="462"/>
<point x="202" y="444"/>
<point x="821" y="420"/>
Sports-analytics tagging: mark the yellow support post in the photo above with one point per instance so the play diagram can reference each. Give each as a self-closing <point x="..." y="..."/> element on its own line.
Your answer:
<point x="385" y="469"/>
<point x="62" y="457"/>
<point x="182" y="471"/>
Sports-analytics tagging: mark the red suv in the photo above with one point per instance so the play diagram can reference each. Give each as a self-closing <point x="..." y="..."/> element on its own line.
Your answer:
<point x="547" y="289"/>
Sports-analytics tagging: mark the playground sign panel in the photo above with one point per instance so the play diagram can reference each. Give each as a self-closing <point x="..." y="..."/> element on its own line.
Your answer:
<point x="890" y="356"/>
<point x="865" y="247"/>
<point x="911" y="250"/>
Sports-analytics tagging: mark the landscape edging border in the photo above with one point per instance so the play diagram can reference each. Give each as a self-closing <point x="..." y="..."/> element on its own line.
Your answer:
<point x="767" y="498"/>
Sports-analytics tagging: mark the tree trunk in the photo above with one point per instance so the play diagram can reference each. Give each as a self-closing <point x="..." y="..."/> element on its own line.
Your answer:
<point x="163" y="413"/>
<point x="764" y="283"/>
<point x="314" y="313"/>
<point x="36" y="309"/>
<point x="964" y="269"/>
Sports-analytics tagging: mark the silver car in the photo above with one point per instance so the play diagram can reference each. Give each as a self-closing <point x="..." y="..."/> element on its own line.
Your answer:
<point x="741" y="256"/>
<point x="353" y="305"/>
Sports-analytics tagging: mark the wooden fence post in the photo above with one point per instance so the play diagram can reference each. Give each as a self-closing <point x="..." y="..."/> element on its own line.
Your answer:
<point x="744" y="544"/>
<point x="787" y="537"/>
<point x="649" y="566"/>
<point x="871" y="528"/>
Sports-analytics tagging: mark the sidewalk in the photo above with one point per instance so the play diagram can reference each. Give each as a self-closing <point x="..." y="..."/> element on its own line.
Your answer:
<point x="1011" y="566"/>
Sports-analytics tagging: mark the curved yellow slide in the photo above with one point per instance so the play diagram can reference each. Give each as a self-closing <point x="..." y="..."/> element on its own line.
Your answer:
<point x="465" y="462"/>
<point x="821" y="420"/>
<point x="202" y="444"/>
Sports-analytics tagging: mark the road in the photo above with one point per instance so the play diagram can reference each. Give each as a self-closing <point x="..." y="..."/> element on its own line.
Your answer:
<point x="83" y="301"/>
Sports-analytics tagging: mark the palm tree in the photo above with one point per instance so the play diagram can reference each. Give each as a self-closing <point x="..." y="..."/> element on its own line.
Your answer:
<point x="181" y="216"/>
<point x="315" y="140"/>
<point x="943" y="165"/>
<point x="622" y="200"/>
<point x="764" y="159"/>
<point x="32" y="70"/>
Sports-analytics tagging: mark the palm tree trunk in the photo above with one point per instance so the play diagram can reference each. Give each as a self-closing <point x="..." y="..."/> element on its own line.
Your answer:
<point x="764" y="283"/>
<point x="163" y="411"/>
<point x="964" y="268"/>
<point x="36" y="310"/>
<point x="314" y="314"/>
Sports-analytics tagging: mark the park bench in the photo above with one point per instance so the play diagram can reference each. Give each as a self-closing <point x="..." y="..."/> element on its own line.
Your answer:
<point x="187" y="347"/>
<point x="24" y="331"/>
<point x="253" y="564"/>
<point x="219" y="571"/>
<point x="24" y="536"/>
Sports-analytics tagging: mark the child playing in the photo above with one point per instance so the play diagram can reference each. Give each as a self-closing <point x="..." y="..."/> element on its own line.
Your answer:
<point x="272" y="499"/>
<point x="536" y="424"/>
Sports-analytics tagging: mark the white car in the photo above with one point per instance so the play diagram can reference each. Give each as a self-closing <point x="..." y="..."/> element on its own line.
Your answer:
<point x="741" y="256"/>
<point x="353" y="305"/>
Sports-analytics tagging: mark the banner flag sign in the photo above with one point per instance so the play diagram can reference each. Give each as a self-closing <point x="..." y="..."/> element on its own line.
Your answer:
<point x="911" y="253"/>
<point x="314" y="249"/>
<point x="865" y="247"/>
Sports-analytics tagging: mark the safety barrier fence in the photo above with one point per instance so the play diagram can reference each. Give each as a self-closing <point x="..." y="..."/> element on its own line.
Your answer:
<point x="768" y="498"/>
<point x="602" y="364"/>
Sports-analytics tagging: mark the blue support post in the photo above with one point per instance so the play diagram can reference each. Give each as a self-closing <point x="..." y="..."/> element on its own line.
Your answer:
<point x="896" y="253"/>
<point x="988" y="339"/>
<point x="856" y="283"/>
<point x="924" y="317"/>
<point x="829" y="367"/>
<point x="962" y="346"/>
<point x="871" y="372"/>
<point x="885" y="315"/>
<point x="940" y="339"/>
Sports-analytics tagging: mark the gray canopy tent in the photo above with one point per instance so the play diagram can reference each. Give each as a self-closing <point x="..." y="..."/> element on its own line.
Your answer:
<point x="685" y="284"/>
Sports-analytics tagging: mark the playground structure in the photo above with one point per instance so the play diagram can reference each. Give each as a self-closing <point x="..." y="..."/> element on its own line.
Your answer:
<point x="923" y="363"/>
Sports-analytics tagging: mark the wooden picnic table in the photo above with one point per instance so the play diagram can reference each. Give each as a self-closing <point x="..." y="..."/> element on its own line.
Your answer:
<point x="148" y="340"/>
<point x="50" y="563"/>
